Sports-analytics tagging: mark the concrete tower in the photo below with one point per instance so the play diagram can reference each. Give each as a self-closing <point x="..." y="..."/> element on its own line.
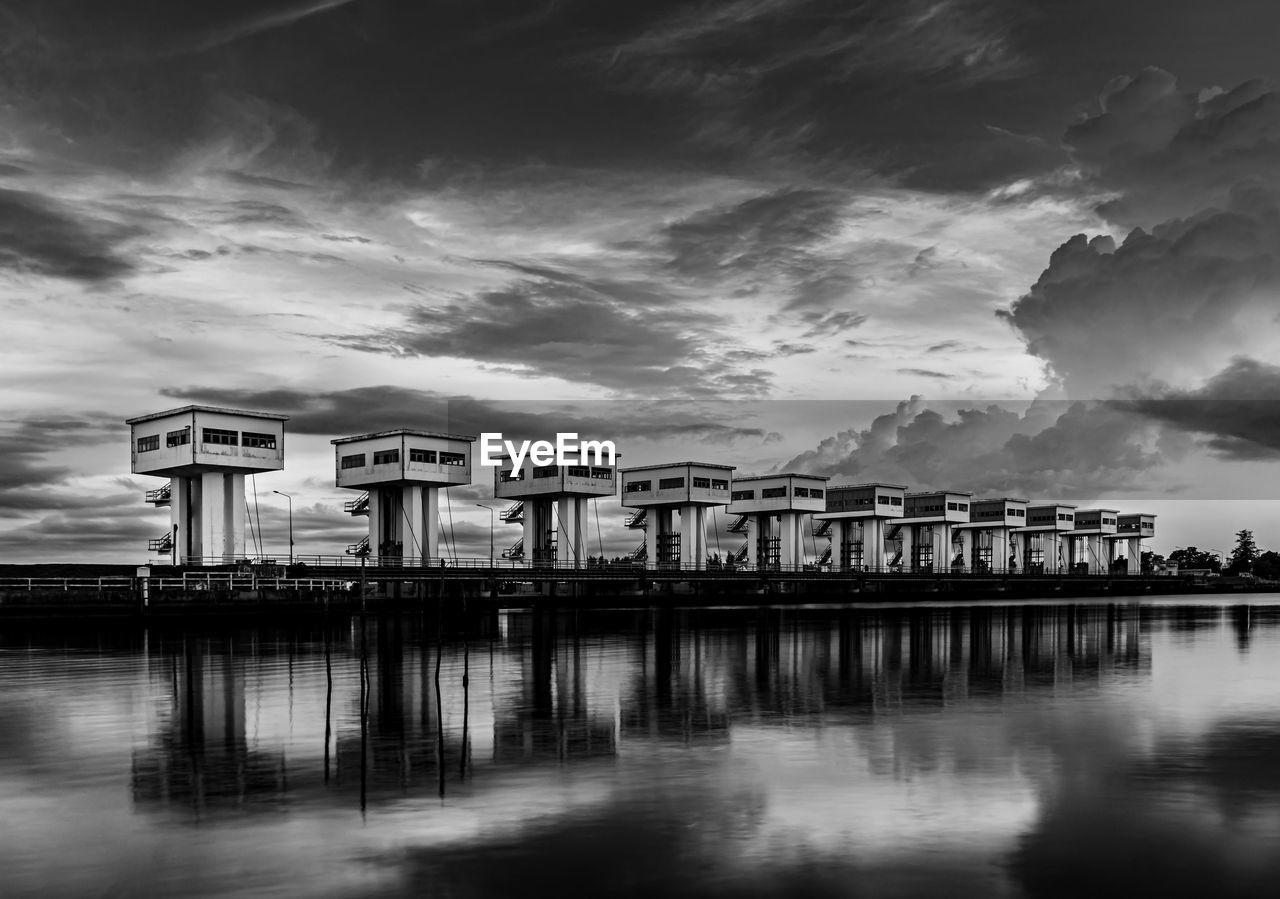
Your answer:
<point x="687" y="488"/>
<point x="553" y="507"/>
<point x="987" y="541"/>
<point x="1091" y="550"/>
<point x="863" y="521"/>
<point x="1132" y="527"/>
<point x="205" y="452"/>
<point x="402" y="472"/>
<point x="776" y="508"/>
<point x="1044" y="544"/>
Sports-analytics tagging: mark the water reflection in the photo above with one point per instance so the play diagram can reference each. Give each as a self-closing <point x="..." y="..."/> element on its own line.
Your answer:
<point x="985" y="750"/>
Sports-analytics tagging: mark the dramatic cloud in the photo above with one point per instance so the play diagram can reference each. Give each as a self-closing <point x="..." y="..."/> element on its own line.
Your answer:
<point x="1239" y="408"/>
<point x="1050" y="451"/>
<point x="41" y="237"/>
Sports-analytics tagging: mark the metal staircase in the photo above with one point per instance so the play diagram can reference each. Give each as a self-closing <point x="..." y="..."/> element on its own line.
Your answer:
<point x="639" y="554"/>
<point x="357" y="506"/>
<point x="161" y="544"/>
<point x="822" y="528"/>
<point x="636" y="519"/>
<point x="514" y="551"/>
<point x="359" y="549"/>
<point x="825" y="558"/>
<point x="161" y="495"/>
<point x="739" y="525"/>
<point x="514" y="513"/>
<point x="739" y="555"/>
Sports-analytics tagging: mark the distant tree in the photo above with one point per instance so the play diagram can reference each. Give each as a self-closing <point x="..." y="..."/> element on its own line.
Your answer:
<point x="1244" y="554"/>
<point x="1192" y="557"/>
<point x="1151" y="561"/>
<point x="1267" y="565"/>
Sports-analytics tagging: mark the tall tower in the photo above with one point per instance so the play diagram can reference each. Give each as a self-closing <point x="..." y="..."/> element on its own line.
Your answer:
<point x="205" y="452"/>
<point x="687" y="488"/>
<point x="402" y="472"/>
<point x="554" y="512"/>
<point x="775" y="507"/>
<point x="863" y="522"/>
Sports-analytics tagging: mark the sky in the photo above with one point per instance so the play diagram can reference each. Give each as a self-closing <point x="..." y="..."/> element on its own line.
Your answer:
<point x="1018" y="248"/>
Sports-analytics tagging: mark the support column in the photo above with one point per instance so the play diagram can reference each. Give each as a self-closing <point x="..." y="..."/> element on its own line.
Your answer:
<point x="234" y="516"/>
<point x="1133" y="558"/>
<point x="838" y="540"/>
<point x="375" y="521"/>
<point x="873" y="543"/>
<point x="411" y="503"/>
<point x="787" y="556"/>
<point x="569" y="542"/>
<point x="944" y="532"/>
<point x="213" y="512"/>
<point x="754" y="523"/>
<point x="966" y="549"/>
<point x="651" y="532"/>
<point x="180" y="516"/>
<point x="692" y="537"/>
<point x="430" y="524"/>
<point x="908" y="547"/>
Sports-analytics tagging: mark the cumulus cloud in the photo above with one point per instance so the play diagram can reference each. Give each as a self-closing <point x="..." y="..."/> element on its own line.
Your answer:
<point x="1238" y="408"/>
<point x="1050" y="450"/>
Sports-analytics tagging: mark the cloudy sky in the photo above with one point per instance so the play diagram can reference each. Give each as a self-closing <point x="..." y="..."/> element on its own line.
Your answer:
<point x="1022" y="248"/>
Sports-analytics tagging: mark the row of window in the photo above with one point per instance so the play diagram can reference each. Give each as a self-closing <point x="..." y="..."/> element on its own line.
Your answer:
<point x="1010" y="512"/>
<point x="213" y="436"/>
<point x="677" y="483"/>
<point x="1050" y="518"/>
<point x="392" y="456"/>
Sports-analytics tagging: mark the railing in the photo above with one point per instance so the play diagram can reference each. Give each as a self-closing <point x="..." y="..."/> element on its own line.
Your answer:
<point x="161" y="495"/>
<point x="739" y="525"/>
<point x="515" y="550"/>
<point x="514" y="513"/>
<point x="359" y="506"/>
<point x="161" y="544"/>
<point x="636" y="519"/>
<point x="66" y="583"/>
<point x="822" y="528"/>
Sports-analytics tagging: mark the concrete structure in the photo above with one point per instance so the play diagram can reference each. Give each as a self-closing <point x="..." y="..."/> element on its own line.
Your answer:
<point x="687" y="488"/>
<point x="1091" y="548"/>
<point x="402" y="472"/>
<point x="553" y="507"/>
<point x="205" y="452"/>
<point x="927" y="528"/>
<point x="775" y="507"/>
<point x="1132" y="528"/>
<point x="858" y="514"/>
<point x="987" y="542"/>
<point x="1042" y="540"/>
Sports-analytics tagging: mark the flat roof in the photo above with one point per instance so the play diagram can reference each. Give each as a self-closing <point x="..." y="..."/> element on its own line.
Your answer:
<point x="1112" y="511"/>
<point x="1128" y="514"/>
<point x="678" y="465"/>
<point x="1001" y="499"/>
<point x="871" y="484"/>
<point x="245" y="412"/>
<point x="766" y="477"/>
<point x="407" y="432"/>
<point x="1046" y="505"/>
<point x="940" y="492"/>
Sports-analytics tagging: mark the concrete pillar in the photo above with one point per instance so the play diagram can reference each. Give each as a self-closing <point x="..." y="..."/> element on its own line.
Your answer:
<point x="411" y="503"/>
<point x="908" y="546"/>
<point x="788" y="556"/>
<point x="651" y="538"/>
<point x="692" y="537"/>
<point x="966" y="549"/>
<point x="235" y="515"/>
<point x="1133" y="555"/>
<point x="180" y="516"/>
<point x="375" y="521"/>
<point x="838" y="540"/>
<point x="873" y="543"/>
<point x="431" y="524"/>
<point x="569" y="532"/>
<point x="213" y="527"/>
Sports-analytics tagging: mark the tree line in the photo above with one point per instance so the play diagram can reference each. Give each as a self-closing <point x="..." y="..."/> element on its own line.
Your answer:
<point x="1244" y="559"/>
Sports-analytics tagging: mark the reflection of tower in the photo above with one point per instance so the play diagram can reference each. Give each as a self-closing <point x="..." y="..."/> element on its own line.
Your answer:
<point x="201" y="756"/>
<point x="206" y="453"/>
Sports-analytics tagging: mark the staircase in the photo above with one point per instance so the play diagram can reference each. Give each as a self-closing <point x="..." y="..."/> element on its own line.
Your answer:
<point x="515" y="551"/>
<point x="639" y="554"/>
<point x="825" y="558"/>
<point x="359" y="549"/>
<point x="161" y="495"/>
<point x="739" y="525"/>
<point x="357" y="506"/>
<point x="739" y="555"/>
<point x="636" y="519"/>
<point x="822" y="528"/>
<point x="514" y="513"/>
<point x="161" y="544"/>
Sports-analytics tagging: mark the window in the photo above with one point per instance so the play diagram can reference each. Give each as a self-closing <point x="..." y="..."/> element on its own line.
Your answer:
<point x="773" y="492"/>
<point x="802" y="491"/>
<point x="511" y="475"/>
<point x="605" y="474"/>
<point x="1062" y="516"/>
<point x="258" y="441"/>
<point x="953" y="507"/>
<point x="702" y="483"/>
<point x="386" y="457"/>
<point x="895" y="500"/>
<point x="220" y="437"/>
<point x="1018" y="513"/>
<point x="717" y="484"/>
<point x="670" y="483"/>
<point x="545" y="471"/>
<point x="147" y="444"/>
<point x="353" y="461"/>
<point x="964" y="507"/>
<point x="452" y="458"/>
<point x="815" y="493"/>
<point x="639" y="486"/>
<point x="422" y="455"/>
<point x="743" y="494"/>
<point x="579" y="471"/>
<point x="883" y="500"/>
<point x="178" y="438"/>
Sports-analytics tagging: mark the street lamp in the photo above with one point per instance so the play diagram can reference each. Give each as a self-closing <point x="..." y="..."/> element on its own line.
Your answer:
<point x="490" y="508"/>
<point x="289" y="497"/>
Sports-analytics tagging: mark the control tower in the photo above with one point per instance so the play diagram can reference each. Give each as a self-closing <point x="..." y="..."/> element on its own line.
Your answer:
<point x="858" y="514"/>
<point x="928" y="528"/>
<point x="1044" y="548"/>
<point x="988" y="544"/>
<point x="1132" y="527"/>
<point x="688" y="488"/>
<point x="401" y="472"/>
<point x="205" y="452"/>
<point x="775" y="507"/>
<point x="553" y="506"/>
<point x="1091" y="549"/>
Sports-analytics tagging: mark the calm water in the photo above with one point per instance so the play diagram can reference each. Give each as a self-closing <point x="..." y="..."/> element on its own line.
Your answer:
<point x="1035" y="750"/>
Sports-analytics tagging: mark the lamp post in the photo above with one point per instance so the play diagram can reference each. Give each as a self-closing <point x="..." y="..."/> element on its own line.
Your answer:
<point x="289" y="497"/>
<point x="490" y="508"/>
